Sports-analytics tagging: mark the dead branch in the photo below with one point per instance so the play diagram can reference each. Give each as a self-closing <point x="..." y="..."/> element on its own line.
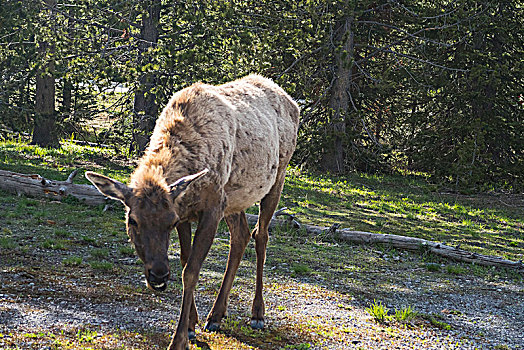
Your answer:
<point x="34" y="185"/>
<point x="401" y="242"/>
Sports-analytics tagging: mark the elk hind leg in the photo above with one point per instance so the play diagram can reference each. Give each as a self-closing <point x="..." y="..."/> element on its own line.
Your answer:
<point x="260" y="234"/>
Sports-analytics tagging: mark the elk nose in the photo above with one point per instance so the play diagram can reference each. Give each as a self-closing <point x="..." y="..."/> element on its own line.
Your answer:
<point x="158" y="277"/>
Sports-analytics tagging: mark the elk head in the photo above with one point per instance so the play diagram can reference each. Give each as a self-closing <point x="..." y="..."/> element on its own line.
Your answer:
<point x="150" y="218"/>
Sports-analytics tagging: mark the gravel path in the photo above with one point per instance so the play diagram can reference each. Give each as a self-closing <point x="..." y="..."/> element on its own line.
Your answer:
<point x="481" y="315"/>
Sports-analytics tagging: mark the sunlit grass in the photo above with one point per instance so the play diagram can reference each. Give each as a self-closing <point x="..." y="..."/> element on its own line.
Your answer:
<point x="58" y="163"/>
<point x="402" y="205"/>
<point x="405" y="206"/>
<point x="405" y="314"/>
<point x="378" y="311"/>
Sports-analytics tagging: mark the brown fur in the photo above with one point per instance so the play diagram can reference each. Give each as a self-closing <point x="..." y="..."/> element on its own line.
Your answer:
<point x="244" y="133"/>
<point x="217" y="127"/>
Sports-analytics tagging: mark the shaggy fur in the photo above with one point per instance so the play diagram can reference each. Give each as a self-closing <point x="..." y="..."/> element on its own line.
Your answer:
<point x="237" y="140"/>
<point x="242" y="132"/>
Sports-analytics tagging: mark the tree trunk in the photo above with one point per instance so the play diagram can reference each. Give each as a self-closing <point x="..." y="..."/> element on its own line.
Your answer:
<point x="44" y="132"/>
<point x="67" y="93"/>
<point x="145" y="106"/>
<point x="334" y="156"/>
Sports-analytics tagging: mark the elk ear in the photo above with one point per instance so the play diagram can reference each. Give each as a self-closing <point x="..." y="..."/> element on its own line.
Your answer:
<point x="179" y="186"/>
<point x="109" y="187"/>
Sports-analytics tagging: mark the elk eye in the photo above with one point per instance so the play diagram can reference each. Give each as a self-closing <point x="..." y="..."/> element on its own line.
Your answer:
<point x="132" y="222"/>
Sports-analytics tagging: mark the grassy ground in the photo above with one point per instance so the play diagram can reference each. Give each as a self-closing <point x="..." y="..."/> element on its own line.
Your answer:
<point x="490" y="224"/>
<point x="486" y="223"/>
<point x="69" y="252"/>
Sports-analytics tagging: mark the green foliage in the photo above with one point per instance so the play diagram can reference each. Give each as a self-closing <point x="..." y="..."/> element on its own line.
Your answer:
<point x="501" y="347"/>
<point x="60" y="232"/>
<point x="302" y="346"/>
<point x="72" y="261"/>
<point x="378" y="311"/>
<point x="431" y="87"/>
<point x="455" y="269"/>
<point x="433" y="267"/>
<point x="434" y="320"/>
<point x="381" y="314"/>
<point x="126" y="250"/>
<point x="53" y="244"/>
<point x="99" y="252"/>
<point x="301" y="270"/>
<point x="86" y="336"/>
<point x="405" y="314"/>
<point x="101" y="265"/>
<point x="7" y="243"/>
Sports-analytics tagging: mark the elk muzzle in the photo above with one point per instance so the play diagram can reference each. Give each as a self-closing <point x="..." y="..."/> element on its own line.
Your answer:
<point x="157" y="276"/>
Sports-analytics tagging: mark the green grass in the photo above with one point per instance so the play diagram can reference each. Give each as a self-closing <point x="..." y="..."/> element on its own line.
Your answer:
<point x="407" y="206"/>
<point x="301" y="270"/>
<point x="381" y="314"/>
<point x="7" y="243"/>
<point x="405" y="314"/>
<point x="58" y="163"/>
<point x="434" y="320"/>
<point x="61" y="232"/>
<point x="126" y="250"/>
<point x="99" y="253"/>
<point x="455" y="269"/>
<point x="86" y="336"/>
<point x="92" y="243"/>
<point x="101" y="265"/>
<point x="433" y="267"/>
<point x="302" y="346"/>
<point x="378" y="311"/>
<point x="72" y="261"/>
<point x="53" y="244"/>
<point x="404" y="205"/>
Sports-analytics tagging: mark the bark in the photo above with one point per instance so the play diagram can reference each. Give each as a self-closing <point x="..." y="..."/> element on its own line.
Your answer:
<point x="145" y="106"/>
<point x="334" y="157"/>
<point x="67" y="93"/>
<point x="402" y="242"/>
<point x="44" y="132"/>
<point x="34" y="185"/>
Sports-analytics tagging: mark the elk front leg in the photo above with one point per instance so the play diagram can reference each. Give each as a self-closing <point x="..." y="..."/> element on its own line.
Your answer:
<point x="184" y="237"/>
<point x="204" y="236"/>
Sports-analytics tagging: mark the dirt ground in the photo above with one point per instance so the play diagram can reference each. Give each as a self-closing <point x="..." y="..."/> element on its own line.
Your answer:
<point x="316" y="302"/>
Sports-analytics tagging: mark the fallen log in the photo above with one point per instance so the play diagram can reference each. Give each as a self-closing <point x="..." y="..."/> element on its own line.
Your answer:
<point x="34" y="185"/>
<point x="419" y="244"/>
<point x="37" y="186"/>
<point x="401" y="242"/>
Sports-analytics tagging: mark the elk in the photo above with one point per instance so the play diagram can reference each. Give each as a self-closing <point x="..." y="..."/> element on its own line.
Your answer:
<point x="214" y="152"/>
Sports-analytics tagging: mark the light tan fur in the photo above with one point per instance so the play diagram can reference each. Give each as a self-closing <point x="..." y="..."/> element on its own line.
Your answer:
<point x="242" y="132"/>
<point x="237" y="140"/>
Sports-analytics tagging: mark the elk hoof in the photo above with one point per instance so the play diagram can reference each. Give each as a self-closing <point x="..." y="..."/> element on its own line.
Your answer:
<point x="212" y="326"/>
<point x="191" y="335"/>
<point x="178" y="346"/>
<point x="257" y="324"/>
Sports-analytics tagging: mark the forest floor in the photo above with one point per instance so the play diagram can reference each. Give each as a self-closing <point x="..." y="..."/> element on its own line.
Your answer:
<point x="70" y="279"/>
